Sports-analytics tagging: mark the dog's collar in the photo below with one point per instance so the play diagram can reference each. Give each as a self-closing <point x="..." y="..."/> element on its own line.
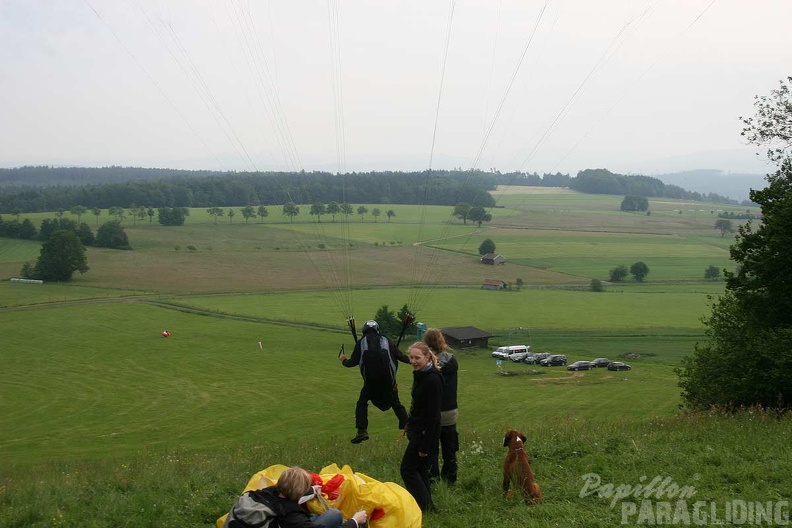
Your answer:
<point x="518" y="449"/>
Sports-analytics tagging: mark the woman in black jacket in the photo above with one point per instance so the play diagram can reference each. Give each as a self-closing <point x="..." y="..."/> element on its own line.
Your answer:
<point x="449" y="438"/>
<point x="423" y="424"/>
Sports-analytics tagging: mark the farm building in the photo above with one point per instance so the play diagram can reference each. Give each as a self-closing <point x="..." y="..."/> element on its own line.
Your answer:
<point x="493" y="284"/>
<point x="492" y="259"/>
<point x="466" y="336"/>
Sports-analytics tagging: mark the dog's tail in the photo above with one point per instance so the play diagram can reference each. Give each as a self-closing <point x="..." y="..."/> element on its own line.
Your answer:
<point x="536" y="493"/>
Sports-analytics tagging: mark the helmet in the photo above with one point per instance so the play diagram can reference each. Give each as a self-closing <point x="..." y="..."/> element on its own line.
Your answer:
<point x="370" y="327"/>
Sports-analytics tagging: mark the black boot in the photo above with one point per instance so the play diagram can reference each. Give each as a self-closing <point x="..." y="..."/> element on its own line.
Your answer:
<point x="362" y="435"/>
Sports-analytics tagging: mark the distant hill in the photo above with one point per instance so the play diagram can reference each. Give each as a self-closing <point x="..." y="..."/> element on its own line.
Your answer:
<point x="731" y="184"/>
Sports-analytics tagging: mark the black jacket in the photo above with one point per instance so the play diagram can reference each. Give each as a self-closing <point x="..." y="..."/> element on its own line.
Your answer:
<point x="288" y="514"/>
<point x="423" y="425"/>
<point x="376" y="370"/>
<point x="449" y="368"/>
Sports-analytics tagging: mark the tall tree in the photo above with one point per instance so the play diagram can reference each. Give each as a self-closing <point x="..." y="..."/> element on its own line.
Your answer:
<point x="376" y="213"/>
<point x="60" y="256"/>
<point x="639" y="271"/>
<point x="291" y="210"/>
<point x="27" y="231"/>
<point x="751" y="323"/>
<point x="117" y="212"/>
<point x="231" y="214"/>
<point x="142" y="212"/>
<point x="771" y="126"/>
<point x="248" y="212"/>
<point x="78" y="211"/>
<point x="333" y="209"/>
<point x="461" y="211"/>
<point x="317" y="210"/>
<point x="215" y="212"/>
<point x="390" y="213"/>
<point x="346" y="210"/>
<point x="362" y="210"/>
<point x="96" y="212"/>
<point x="725" y="226"/>
<point x="262" y="213"/>
<point x="479" y="215"/>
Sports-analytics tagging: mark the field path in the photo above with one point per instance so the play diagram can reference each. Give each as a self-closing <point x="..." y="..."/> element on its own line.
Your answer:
<point x="176" y="307"/>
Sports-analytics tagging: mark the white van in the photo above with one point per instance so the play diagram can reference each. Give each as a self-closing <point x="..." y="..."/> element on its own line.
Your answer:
<point x="506" y="352"/>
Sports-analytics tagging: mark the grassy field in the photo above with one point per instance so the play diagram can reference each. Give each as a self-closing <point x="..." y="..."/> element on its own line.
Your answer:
<point x="107" y="423"/>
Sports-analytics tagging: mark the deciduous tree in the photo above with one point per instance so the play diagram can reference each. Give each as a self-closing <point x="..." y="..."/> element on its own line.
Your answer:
<point x="60" y="256"/>
<point x="479" y="215"/>
<point x="487" y="246"/>
<point x="461" y="211"/>
<point x="172" y="216"/>
<point x="751" y="323"/>
<point x="639" y="271"/>
<point x="112" y="235"/>
<point x="248" y="212"/>
<point x="317" y="210"/>
<point x="712" y="273"/>
<point x="291" y="210"/>
<point x="346" y="210"/>
<point x="262" y="213"/>
<point x="618" y="274"/>
<point x="725" y="226"/>
<point x="333" y="209"/>
<point x="78" y="211"/>
<point x="215" y="212"/>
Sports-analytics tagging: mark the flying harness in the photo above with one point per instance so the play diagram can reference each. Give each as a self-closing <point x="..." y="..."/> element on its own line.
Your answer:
<point x="385" y="357"/>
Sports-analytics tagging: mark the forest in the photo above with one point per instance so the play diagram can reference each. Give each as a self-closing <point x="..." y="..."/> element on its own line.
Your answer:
<point x="36" y="189"/>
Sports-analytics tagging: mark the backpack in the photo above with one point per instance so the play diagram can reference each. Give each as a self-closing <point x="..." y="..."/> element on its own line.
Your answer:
<point x="250" y="511"/>
<point x="377" y="365"/>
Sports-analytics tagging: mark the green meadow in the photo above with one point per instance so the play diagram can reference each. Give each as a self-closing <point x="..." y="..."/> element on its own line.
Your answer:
<point x="103" y="422"/>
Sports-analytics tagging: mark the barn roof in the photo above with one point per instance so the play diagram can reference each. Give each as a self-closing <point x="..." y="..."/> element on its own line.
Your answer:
<point x="464" y="332"/>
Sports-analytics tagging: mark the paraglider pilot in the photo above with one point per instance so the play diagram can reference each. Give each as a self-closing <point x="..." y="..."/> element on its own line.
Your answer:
<point x="378" y="357"/>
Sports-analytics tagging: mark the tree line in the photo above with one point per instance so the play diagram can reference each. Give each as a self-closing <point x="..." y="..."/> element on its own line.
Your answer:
<point x="40" y="189"/>
<point x="183" y="189"/>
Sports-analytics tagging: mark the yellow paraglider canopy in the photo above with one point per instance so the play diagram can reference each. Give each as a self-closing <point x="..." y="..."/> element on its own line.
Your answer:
<point x="387" y="504"/>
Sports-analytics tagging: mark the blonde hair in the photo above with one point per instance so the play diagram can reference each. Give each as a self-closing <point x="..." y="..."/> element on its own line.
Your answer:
<point x="436" y="341"/>
<point x="294" y="482"/>
<point x="424" y="348"/>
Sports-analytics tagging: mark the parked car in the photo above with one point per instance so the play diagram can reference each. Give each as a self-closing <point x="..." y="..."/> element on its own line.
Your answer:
<point x="618" y="365"/>
<point x="531" y="359"/>
<point x="541" y="355"/>
<point x="600" y="362"/>
<point x="580" y="365"/>
<point x="519" y="357"/>
<point x="505" y="352"/>
<point x="554" y="360"/>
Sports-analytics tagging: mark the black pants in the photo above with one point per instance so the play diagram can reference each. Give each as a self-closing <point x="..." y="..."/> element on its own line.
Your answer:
<point x="361" y="408"/>
<point x="449" y="445"/>
<point x="415" y="474"/>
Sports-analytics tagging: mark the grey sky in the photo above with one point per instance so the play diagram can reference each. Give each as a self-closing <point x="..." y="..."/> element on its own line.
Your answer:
<point x="632" y="86"/>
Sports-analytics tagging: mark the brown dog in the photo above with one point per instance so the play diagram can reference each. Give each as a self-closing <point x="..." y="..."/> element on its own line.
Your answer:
<point x="517" y="470"/>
